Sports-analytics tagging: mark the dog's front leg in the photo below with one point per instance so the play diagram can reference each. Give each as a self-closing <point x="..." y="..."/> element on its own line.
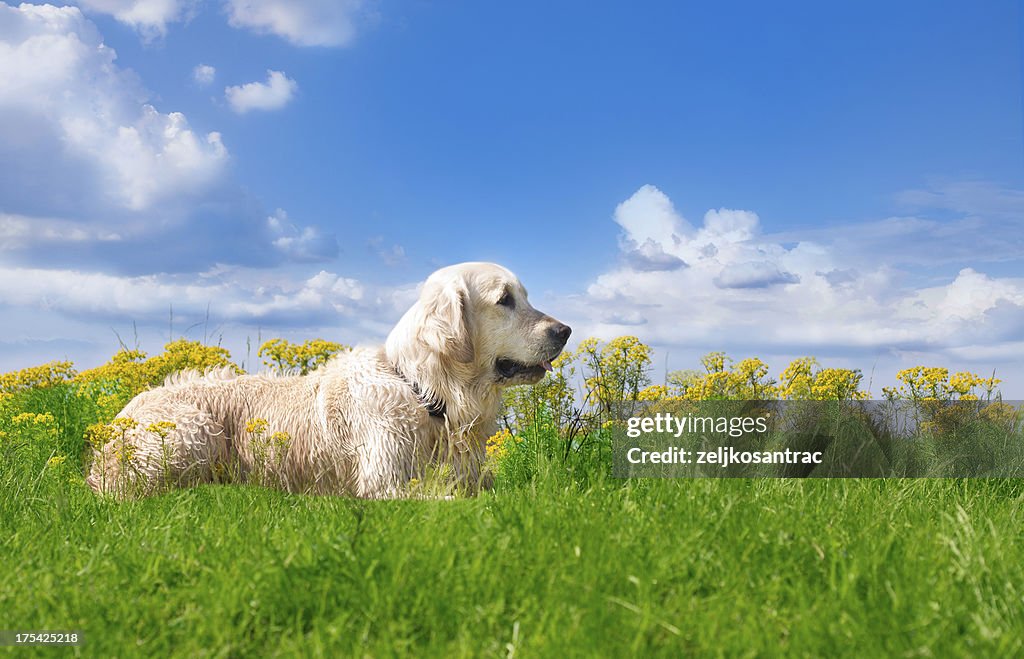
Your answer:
<point x="383" y="465"/>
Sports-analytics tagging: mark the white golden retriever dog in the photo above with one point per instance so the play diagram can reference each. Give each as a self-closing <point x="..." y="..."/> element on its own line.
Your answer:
<point x="365" y="423"/>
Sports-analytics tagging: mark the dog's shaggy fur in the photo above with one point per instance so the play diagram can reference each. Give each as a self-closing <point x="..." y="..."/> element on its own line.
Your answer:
<point x="365" y="423"/>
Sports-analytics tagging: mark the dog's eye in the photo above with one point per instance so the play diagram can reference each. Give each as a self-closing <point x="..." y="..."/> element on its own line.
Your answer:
<point x="507" y="300"/>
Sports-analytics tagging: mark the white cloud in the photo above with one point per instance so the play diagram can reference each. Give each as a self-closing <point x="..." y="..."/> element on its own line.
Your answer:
<point x="226" y="305"/>
<point x="306" y="244"/>
<point x="236" y="295"/>
<point x="302" y="22"/>
<point x="148" y="17"/>
<point x="744" y="291"/>
<point x="753" y="274"/>
<point x="203" y="74"/>
<point x="64" y="102"/>
<point x="650" y="216"/>
<point x="968" y="304"/>
<point x="969" y="197"/>
<point x="18" y="231"/>
<point x="230" y="306"/>
<point x="156" y="156"/>
<point x="273" y="94"/>
<point x="98" y="175"/>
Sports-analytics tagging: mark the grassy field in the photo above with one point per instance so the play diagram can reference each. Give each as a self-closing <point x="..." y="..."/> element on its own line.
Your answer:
<point x="559" y="559"/>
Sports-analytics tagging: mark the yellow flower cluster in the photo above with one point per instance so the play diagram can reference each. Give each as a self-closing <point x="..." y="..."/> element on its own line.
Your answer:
<point x="654" y="392"/>
<point x="100" y="434"/>
<point x="281" y="441"/>
<point x="797" y="379"/>
<point x="33" y="419"/>
<point x="499" y="443"/>
<point x="935" y="383"/>
<point x="267" y="452"/>
<point x="125" y="452"/>
<point x="30" y="425"/>
<point x="129" y="372"/>
<point x="113" y="384"/>
<point x="298" y="358"/>
<point x="181" y="354"/>
<point x="714" y="362"/>
<point x="37" y="377"/>
<point x="256" y="426"/>
<point x="1002" y="414"/>
<point x="748" y="380"/>
<point x="837" y="384"/>
<point x="161" y="428"/>
<point x="618" y="368"/>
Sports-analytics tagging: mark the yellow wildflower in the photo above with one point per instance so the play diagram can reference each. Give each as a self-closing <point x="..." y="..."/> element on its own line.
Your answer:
<point x="281" y="441"/>
<point x="125" y="452"/>
<point x="653" y="392"/>
<point x="498" y="444"/>
<point x="298" y="358"/>
<point x="256" y="426"/>
<point x="37" y="377"/>
<point x="935" y="383"/>
<point x="124" y="424"/>
<point x="161" y="428"/>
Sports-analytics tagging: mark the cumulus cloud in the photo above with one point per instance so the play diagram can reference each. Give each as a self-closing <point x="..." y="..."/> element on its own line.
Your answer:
<point x="649" y="217"/>
<point x="753" y="274"/>
<point x="273" y="94"/>
<point x="156" y="156"/>
<point x="651" y="256"/>
<point x="747" y="291"/>
<point x="302" y="22"/>
<point x="99" y="176"/>
<point x="149" y="17"/>
<point x="73" y="120"/>
<point x="204" y="74"/>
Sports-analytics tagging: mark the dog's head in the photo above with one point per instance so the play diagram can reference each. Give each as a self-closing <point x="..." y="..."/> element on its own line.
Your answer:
<point x="476" y="316"/>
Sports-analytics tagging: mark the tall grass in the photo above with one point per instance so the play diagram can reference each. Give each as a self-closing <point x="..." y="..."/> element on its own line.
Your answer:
<point x="559" y="559"/>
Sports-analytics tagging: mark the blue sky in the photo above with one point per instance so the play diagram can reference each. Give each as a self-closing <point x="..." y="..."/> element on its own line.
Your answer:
<point x="842" y="181"/>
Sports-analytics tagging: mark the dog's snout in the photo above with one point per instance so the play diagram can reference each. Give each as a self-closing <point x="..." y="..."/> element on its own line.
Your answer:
<point x="560" y="332"/>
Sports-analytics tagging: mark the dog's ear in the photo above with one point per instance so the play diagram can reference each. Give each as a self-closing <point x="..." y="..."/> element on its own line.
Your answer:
<point x="446" y="326"/>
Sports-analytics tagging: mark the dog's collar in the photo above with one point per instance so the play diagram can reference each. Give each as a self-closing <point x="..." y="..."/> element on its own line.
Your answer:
<point x="436" y="407"/>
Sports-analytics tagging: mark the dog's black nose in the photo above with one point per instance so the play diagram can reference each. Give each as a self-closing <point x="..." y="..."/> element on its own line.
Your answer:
<point x="560" y="332"/>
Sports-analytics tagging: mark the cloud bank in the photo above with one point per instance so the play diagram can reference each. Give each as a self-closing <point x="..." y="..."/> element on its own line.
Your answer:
<point x="106" y="179"/>
<point x="724" y="284"/>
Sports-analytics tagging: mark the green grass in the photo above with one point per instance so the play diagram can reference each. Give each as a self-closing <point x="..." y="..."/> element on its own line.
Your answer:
<point x="559" y="560"/>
